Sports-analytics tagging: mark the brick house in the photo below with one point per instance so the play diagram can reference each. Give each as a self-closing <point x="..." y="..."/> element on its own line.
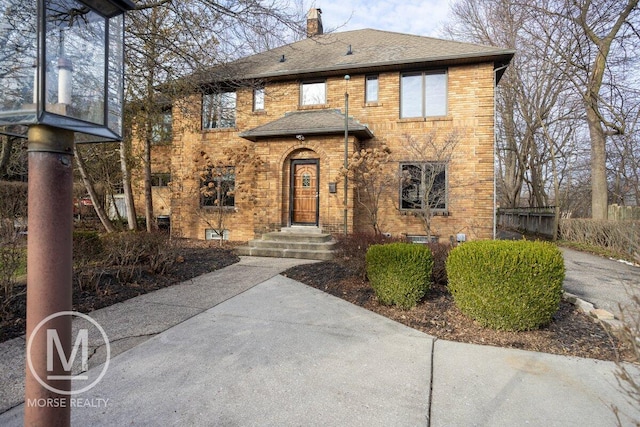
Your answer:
<point x="286" y="106"/>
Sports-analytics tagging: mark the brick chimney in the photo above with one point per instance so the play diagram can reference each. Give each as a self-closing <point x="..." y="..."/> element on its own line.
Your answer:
<point x="314" y="23"/>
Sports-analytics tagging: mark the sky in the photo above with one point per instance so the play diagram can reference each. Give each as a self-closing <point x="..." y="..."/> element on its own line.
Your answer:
<point x="420" y="17"/>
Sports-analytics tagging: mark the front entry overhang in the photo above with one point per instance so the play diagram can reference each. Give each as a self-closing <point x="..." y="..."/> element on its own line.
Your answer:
<point x="301" y="124"/>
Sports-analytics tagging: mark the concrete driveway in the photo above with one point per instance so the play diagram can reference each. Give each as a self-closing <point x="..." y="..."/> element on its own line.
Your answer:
<point x="605" y="283"/>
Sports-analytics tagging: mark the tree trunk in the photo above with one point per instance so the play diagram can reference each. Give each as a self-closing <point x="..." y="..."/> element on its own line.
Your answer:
<point x="104" y="218"/>
<point x="5" y="154"/>
<point x="148" y="195"/>
<point x="126" y="185"/>
<point x="599" y="189"/>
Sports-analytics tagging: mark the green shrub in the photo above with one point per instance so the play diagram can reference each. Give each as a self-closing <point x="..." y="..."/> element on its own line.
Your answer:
<point x="510" y="285"/>
<point x="399" y="273"/>
<point x="351" y="250"/>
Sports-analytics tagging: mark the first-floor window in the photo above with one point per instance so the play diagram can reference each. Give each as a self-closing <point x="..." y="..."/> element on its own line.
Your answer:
<point x="217" y="187"/>
<point x="423" y="186"/>
<point x="219" y="110"/>
<point x="160" y="179"/>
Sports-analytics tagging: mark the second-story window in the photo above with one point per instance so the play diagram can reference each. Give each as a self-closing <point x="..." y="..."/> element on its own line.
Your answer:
<point x="258" y="99"/>
<point x="219" y="110"/>
<point x="313" y="93"/>
<point x="371" y="88"/>
<point x="423" y="94"/>
<point x="161" y="130"/>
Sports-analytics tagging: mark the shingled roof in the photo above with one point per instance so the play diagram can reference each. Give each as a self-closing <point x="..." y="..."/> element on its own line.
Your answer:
<point x="370" y="51"/>
<point x="305" y="123"/>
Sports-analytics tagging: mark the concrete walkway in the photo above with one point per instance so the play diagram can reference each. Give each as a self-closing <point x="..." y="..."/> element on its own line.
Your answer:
<point x="271" y="351"/>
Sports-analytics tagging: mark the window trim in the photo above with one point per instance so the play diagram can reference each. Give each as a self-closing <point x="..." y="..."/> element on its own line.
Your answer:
<point x="230" y="172"/>
<point x="423" y="95"/>
<point x="218" y="106"/>
<point x="367" y="78"/>
<point x="422" y="164"/>
<point x="311" y="82"/>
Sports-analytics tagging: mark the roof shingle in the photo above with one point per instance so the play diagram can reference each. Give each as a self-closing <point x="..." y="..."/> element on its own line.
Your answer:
<point x="371" y="49"/>
<point x="314" y="122"/>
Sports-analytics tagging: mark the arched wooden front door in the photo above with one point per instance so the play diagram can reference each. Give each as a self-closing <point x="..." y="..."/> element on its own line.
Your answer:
<point x="304" y="192"/>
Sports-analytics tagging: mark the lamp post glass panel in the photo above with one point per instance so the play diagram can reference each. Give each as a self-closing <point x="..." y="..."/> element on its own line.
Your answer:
<point x="61" y="65"/>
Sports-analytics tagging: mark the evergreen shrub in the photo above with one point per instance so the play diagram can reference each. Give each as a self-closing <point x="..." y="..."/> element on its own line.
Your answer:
<point x="507" y="285"/>
<point x="400" y="273"/>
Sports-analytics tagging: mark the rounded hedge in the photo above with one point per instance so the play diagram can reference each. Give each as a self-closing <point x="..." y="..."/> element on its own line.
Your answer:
<point x="400" y="273"/>
<point x="509" y="285"/>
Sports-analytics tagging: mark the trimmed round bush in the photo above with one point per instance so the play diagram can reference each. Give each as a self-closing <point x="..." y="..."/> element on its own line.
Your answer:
<point x="508" y="285"/>
<point x="399" y="273"/>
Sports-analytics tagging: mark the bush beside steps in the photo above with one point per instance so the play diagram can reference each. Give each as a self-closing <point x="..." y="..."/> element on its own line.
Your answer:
<point x="400" y="273"/>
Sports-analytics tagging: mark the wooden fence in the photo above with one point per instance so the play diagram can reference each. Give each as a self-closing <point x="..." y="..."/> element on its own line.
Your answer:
<point x="623" y="213"/>
<point x="528" y="220"/>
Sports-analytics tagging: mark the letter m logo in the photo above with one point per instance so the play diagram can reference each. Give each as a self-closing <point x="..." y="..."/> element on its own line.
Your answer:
<point x="53" y="340"/>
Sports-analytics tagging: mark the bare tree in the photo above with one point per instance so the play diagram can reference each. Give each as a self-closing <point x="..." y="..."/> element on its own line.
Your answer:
<point x="5" y="153"/>
<point x="368" y="172"/>
<point x="93" y="195"/>
<point x="596" y="38"/>
<point x="125" y="170"/>
<point x="623" y="161"/>
<point x="13" y="159"/>
<point x="572" y="70"/>
<point x="424" y="179"/>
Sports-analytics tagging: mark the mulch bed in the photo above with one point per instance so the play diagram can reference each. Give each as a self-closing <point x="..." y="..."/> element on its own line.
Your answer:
<point x="108" y="286"/>
<point x="571" y="333"/>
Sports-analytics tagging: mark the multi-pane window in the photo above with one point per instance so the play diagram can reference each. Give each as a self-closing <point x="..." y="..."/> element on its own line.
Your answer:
<point x="423" y="94"/>
<point x="313" y="93"/>
<point x="160" y="179"/>
<point x="423" y="186"/>
<point x="219" y="110"/>
<point x="258" y="99"/>
<point x="217" y="187"/>
<point x="371" y="88"/>
<point x="161" y="129"/>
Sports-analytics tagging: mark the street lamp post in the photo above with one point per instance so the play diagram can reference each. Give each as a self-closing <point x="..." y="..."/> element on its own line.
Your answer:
<point x="74" y="94"/>
<point x="346" y="150"/>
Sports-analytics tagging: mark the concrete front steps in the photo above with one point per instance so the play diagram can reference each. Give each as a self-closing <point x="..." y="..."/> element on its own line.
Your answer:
<point x="292" y="242"/>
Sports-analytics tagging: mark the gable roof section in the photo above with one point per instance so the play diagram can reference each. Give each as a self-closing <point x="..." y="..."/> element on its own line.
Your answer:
<point x="371" y="51"/>
<point x="314" y="122"/>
